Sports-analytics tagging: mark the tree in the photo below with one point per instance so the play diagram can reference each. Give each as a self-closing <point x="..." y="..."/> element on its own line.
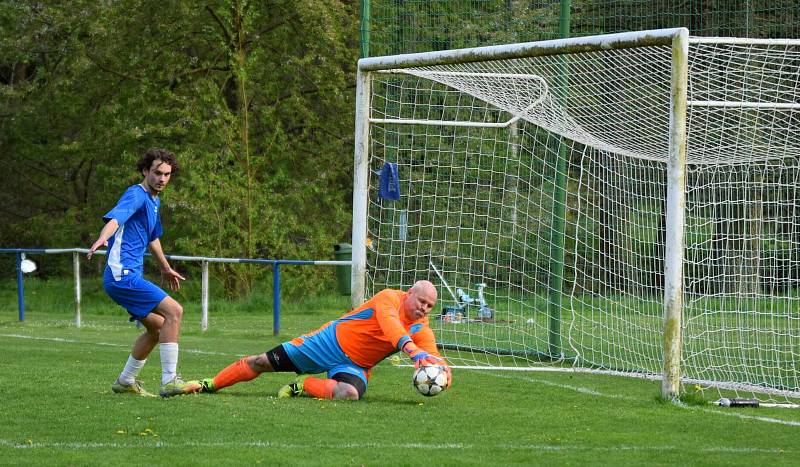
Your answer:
<point x="255" y="97"/>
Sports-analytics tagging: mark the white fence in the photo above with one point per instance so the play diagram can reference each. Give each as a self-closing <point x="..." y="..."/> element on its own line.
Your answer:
<point x="22" y="265"/>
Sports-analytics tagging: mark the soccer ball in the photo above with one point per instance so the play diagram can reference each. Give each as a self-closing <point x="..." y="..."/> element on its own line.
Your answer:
<point x="430" y="380"/>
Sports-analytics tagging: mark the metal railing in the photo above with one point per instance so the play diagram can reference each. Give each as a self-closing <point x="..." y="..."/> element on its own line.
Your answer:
<point x="76" y="264"/>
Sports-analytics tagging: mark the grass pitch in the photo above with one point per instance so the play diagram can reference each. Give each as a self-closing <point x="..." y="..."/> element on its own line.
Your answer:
<point x="58" y="408"/>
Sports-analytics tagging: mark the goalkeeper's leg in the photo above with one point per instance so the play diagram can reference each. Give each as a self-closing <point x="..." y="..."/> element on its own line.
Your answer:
<point x="342" y="386"/>
<point x="236" y="372"/>
<point x="249" y="368"/>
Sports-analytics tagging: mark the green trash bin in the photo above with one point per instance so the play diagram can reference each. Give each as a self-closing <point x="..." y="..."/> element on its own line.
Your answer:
<point x="343" y="252"/>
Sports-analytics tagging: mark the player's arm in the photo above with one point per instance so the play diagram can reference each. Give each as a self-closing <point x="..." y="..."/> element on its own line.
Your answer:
<point x="128" y="203"/>
<point x="106" y="233"/>
<point x="426" y="341"/>
<point x="387" y="313"/>
<point x="166" y="270"/>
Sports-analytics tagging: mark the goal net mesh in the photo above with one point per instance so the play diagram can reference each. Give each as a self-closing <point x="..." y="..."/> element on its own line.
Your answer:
<point x="538" y="187"/>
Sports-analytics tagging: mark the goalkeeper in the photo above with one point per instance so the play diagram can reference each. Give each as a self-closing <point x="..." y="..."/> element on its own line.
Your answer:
<point x="347" y="348"/>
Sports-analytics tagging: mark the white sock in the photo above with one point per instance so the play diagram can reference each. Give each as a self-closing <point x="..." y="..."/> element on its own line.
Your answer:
<point x="169" y="361"/>
<point x="131" y="370"/>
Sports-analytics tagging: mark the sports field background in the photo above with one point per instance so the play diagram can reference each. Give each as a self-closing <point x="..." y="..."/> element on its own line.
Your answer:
<point x="58" y="408"/>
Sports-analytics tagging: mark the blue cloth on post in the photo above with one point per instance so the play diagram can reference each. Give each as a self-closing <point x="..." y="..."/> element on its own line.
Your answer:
<point x="389" y="186"/>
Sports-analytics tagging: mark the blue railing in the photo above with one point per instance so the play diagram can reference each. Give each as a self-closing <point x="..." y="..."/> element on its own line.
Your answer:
<point x="77" y="252"/>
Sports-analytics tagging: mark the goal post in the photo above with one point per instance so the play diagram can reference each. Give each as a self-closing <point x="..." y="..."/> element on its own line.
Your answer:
<point x="676" y="205"/>
<point x="623" y="203"/>
<point x="360" y="190"/>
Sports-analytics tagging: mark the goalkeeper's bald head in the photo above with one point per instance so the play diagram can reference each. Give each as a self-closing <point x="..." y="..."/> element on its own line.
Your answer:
<point x="420" y="300"/>
<point x="424" y="287"/>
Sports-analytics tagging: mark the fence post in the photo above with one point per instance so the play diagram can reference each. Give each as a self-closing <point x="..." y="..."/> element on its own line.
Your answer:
<point x="20" y="288"/>
<point x="204" y="296"/>
<point x="76" y="266"/>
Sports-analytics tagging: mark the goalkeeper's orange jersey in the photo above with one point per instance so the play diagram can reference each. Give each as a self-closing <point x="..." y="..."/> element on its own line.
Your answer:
<point x="371" y="332"/>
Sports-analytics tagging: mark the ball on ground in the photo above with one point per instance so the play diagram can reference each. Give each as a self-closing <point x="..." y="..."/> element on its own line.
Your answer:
<point x="430" y="380"/>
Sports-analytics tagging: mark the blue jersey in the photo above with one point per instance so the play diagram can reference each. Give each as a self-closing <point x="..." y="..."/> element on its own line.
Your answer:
<point x="139" y="224"/>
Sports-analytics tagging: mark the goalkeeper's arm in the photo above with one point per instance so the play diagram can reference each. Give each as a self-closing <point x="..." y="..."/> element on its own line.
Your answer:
<point x="419" y="356"/>
<point x="423" y="358"/>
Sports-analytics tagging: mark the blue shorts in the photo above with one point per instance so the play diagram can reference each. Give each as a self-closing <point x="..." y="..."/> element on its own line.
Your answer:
<point x="136" y="294"/>
<point x="320" y="352"/>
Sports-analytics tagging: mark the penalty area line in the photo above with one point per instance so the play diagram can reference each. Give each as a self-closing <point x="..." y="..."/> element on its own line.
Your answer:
<point x="79" y="446"/>
<point x="108" y="344"/>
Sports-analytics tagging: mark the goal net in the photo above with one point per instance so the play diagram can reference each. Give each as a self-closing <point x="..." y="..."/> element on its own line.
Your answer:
<point x="625" y="203"/>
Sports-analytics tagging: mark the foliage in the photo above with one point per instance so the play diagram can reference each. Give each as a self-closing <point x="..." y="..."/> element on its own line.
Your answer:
<point x="255" y="97"/>
<point x="249" y="95"/>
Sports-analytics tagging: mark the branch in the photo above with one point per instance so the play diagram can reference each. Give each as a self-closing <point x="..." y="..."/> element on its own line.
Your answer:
<point x="12" y="213"/>
<point x="112" y="71"/>
<point x="86" y="181"/>
<point x="270" y="28"/>
<point x="225" y="31"/>
<point x="45" y="191"/>
<point x="75" y="179"/>
<point x="201" y="70"/>
<point x="36" y="167"/>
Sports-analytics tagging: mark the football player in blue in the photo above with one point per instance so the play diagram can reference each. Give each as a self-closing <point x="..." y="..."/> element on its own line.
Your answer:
<point x="132" y="226"/>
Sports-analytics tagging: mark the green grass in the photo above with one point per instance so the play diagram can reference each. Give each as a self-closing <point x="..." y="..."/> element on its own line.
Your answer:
<point x="58" y="408"/>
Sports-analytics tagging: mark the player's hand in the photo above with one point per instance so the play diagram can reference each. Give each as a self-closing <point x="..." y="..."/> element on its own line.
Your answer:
<point x="421" y="357"/>
<point x="449" y="376"/>
<point x="174" y="279"/>
<point x="425" y="359"/>
<point x="95" y="246"/>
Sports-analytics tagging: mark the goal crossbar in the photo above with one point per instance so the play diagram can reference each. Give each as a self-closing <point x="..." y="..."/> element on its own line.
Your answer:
<point x="527" y="49"/>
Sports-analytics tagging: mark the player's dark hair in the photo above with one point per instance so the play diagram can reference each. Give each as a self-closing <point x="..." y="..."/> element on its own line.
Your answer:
<point x="153" y="154"/>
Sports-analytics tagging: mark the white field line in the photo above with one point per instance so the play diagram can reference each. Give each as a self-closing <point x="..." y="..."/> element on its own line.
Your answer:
<point x="109" y="344"/>
<point x="367" y="445"/>
<point x="592" y="392"/>
<point x="729" y="413"/>
<point x="579" y="389"/>
<point x="70" y="323"/>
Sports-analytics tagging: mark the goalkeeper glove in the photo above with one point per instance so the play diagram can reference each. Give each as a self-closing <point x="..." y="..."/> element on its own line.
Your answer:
<point x="421" y="357"/>
<point x="428" y="360"/>
<point x="449" y="376"/>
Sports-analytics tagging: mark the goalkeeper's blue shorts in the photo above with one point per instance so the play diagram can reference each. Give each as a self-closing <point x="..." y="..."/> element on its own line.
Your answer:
<point x="319" y="353"/>
<point x="134" y="293"/>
